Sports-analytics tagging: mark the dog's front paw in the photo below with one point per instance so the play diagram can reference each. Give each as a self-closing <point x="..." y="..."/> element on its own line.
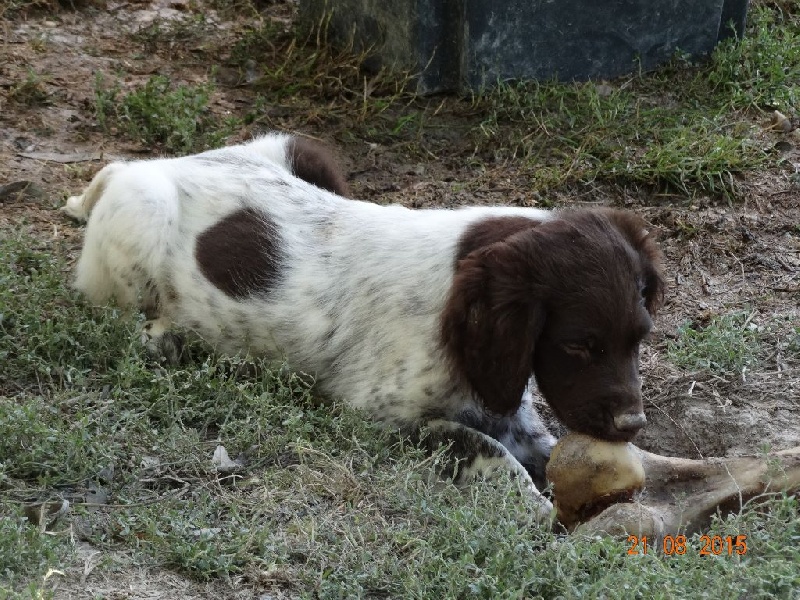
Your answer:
<point x="161" y="344"/>
<point x="75" y="209"/>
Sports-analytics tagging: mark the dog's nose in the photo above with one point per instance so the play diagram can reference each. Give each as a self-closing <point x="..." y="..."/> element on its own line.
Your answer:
<point x="630" y="422"/>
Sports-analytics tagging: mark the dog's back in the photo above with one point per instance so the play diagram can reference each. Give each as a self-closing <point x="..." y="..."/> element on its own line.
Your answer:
<point x="134" y="211"/>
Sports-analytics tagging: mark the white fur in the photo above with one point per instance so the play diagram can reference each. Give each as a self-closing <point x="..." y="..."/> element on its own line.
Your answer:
<point x="375" y="276"/>
<point x="362" y="286"/>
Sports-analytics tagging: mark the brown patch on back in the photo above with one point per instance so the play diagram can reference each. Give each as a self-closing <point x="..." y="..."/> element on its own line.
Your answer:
<point x="491" y="230"/>
<point x="312" y="163"/>
<point x="240" y="254"/>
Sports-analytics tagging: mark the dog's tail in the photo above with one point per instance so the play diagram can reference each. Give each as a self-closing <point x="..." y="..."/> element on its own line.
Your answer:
<point x="305" y="158"/>
<point x="80" y="207"/>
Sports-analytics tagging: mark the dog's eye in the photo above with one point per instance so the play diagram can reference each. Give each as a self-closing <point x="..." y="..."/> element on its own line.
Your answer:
<point x="582" y="350"/>
<point x="645" y="292"/>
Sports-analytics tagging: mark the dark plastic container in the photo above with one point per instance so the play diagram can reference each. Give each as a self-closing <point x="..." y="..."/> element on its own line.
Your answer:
<point x="472" y="44"/>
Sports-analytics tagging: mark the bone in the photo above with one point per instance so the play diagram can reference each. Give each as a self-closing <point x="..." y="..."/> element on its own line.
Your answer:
<point x="589" y="475"/>
<point x="679" y="495"/>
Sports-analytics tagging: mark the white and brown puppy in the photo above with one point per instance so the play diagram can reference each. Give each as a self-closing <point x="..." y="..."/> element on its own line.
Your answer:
<point x="439" y="317"/>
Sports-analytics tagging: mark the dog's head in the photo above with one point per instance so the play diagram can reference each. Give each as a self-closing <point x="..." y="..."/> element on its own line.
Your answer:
<point x="567" y="300"/>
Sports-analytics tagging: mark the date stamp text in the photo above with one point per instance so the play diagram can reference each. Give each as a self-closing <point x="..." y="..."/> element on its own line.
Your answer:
<point x="708" y="545"/>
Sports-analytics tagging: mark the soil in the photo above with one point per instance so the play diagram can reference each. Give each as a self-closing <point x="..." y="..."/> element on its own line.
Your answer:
<point x="720" y="255"/>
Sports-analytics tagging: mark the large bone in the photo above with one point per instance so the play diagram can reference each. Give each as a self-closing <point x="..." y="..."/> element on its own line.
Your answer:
<point x="679" y="495"/>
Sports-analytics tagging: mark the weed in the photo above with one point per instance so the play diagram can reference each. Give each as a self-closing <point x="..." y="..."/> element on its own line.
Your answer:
<point x="175" y="118"/>
<point x="31" y="91"/>
<point x="314" y="75"/>
<point x="105" y="101"/>
<point x="728" y="343"/>
<point x="26" y="554"/>
<point x="793" y="346"/>
<point x="761" y="70"/>
<point x="683" y="127"/>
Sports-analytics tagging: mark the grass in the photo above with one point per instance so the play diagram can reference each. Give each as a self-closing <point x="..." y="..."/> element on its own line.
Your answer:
<point x="305" y="71"/>
<point x="762" y="71"/>
<point x="326" y="505"/>
<point x="581" y="133"/>
<point x="50" y="357"/>
<point x="174" y="119"/>
<point x="728" y="343"/>
<point x="31" y="90"/>
<point x="686" y="128"/>
<point x="27" y="554"/>
<point x="692" y="129"/>
<point x="311" y="77"/>
<point x="731" y="343"/>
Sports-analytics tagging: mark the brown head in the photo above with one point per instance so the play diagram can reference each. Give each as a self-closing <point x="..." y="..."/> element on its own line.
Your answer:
<point x="568" y="301"/>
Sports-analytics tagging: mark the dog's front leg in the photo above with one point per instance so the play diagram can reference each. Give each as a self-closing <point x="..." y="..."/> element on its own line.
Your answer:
<point x="160" y="343"/>
<point x="476" y="456"/>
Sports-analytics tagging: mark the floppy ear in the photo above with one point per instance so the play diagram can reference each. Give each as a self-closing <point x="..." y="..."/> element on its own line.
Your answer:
<point x="644" y="242"/>
<point x="654" y="286"/>
<point x="654" y="283"/>
<point x="490" y="324"/>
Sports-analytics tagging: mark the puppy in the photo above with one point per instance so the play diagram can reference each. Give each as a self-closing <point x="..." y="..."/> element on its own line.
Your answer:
<point x="443" y="318"/>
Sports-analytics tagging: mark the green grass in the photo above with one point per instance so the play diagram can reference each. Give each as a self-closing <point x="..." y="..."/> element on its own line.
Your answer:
<point x="763" y="70"/>
<point x="624" y="136"/>
<point x="327" y="504"/>
<point x="31" y="90"/>
<point x="163" y="116"/>
<point x="51" y="356"/>
<point x="27" y="554"/>
<point x="728" y="343"/>
<point x="685" y="128"/>
<point x="689" y="128"/>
